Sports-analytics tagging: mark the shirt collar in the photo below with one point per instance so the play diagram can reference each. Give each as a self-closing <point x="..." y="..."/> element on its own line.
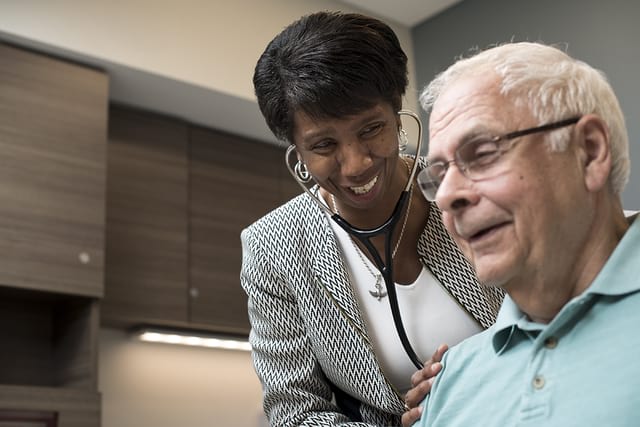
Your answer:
<point x="619" y="276"/>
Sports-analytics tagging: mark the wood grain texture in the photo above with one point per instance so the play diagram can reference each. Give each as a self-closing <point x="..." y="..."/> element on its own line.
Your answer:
<point x="232" y="183"/>
<point x="48" y="339"/>
<point x="178" y="197"/>
<point x="146" y="248"/>
<point x="288" y="187"/>
<point x="53" y="117"/>
<point x="76" y="408"/>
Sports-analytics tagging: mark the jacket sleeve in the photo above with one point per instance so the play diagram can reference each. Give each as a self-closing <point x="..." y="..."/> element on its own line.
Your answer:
<point x="295" y="390"/>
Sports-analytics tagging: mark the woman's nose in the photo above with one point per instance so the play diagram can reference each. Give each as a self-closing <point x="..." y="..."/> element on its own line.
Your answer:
<point x="354" y="158"/>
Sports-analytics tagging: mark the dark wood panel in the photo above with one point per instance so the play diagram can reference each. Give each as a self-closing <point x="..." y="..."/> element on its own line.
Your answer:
<point x="53" y="118"/>
<point x="75" y="343"/>
<point x="26" y="330"/>
<point x="289" y="188"/>
<point x="48" y="339"/>
<point x="75" y="408"/>
<point x="233" y="182"/>
<point x="146" y="248"/>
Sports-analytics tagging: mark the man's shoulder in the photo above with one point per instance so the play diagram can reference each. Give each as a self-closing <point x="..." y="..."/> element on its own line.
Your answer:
<point x="471" y="348"/>
<point x="467" y="368"/>
<point x="468" y="362"/>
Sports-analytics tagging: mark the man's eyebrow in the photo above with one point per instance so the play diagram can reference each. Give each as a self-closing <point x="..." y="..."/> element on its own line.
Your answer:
<point x="472" y="134"/>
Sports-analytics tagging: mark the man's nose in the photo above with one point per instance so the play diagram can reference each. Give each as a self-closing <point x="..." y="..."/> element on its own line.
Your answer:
<point x="455" y="190"/>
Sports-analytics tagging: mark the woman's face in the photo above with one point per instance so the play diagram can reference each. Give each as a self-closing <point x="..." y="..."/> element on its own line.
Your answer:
<point x="354" y="158"/>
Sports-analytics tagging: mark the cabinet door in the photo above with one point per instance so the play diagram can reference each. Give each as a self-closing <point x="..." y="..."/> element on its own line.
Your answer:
<point x="233" y="182"/>
<point x="53" y="118"/>
<point x="146" y="250"/>
<point x="289" y="188"/>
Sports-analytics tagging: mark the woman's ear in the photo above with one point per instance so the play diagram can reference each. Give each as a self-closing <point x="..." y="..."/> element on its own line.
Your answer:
<point x="595" y="151"/>
<point x="298" y="155"/>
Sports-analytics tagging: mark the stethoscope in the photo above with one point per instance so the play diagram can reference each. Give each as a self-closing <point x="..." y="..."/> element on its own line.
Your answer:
<point x="365" y="236"/>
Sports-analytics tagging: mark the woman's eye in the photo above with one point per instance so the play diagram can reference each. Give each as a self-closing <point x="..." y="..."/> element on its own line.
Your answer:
<point x="372" y="130"/>
<point x="322" y="146"/>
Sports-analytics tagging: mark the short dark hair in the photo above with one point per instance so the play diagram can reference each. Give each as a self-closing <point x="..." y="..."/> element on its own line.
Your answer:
<point x="329" y="65"/>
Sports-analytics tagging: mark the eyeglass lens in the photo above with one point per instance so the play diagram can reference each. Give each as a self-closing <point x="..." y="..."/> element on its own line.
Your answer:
<point x="479" y="159"/>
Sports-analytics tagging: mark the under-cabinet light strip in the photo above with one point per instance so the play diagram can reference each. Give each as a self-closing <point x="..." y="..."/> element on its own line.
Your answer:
<point x="193" y="339"/>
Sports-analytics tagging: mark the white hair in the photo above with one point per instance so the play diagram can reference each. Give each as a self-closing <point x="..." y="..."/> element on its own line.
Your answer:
<point x="553" y="86"/>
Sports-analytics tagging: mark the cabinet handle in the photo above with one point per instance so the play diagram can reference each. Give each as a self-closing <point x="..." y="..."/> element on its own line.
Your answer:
<point x="84" y="257"/>
<point x="194" y="292"/>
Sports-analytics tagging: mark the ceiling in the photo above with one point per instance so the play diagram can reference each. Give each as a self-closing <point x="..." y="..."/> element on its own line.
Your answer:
<point x="406" y="12"/>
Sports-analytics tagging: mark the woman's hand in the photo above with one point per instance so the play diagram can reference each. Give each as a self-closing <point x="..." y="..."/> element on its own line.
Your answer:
<point x="421" y="382"/>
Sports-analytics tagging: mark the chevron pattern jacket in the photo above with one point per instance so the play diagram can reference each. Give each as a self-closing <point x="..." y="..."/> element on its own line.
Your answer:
<point x="311" y="348"/>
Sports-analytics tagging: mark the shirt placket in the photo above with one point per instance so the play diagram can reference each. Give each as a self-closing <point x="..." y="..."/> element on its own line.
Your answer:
<point x="538" y="382"/>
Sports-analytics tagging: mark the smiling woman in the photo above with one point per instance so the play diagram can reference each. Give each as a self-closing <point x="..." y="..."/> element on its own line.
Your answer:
<point x="323" y="338"/>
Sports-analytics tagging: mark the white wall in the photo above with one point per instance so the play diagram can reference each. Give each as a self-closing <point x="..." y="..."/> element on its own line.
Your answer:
<point x="161" y="385"/>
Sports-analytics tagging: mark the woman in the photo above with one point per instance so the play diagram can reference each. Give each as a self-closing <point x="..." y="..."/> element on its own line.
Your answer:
<point x="324" y="344"/>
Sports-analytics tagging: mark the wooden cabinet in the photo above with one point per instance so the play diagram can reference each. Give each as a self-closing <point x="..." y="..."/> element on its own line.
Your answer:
<point x="232" y="183"/>
<point x="178" y="197"/>
<point x="146" y="247"/>
<point x="53" y="118"/>
<point x="287" y="186"/>
<point x="48" y="360"/>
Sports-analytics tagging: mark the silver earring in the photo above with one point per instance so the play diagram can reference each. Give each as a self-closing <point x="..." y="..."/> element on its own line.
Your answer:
<point x="403" y="140"/>
<point x="302" y="173"/>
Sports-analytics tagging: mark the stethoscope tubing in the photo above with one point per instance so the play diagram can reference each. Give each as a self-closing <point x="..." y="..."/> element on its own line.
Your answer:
<point x="387" y="228"/>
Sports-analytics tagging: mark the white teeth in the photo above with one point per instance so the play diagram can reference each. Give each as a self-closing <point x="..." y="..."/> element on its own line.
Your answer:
<point x="365" y="188"/>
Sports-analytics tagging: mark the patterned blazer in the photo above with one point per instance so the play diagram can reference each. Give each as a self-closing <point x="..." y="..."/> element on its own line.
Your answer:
<point x="311" y="348"/>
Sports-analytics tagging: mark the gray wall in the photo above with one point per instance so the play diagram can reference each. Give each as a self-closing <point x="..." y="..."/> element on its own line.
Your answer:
<point x="605" y="34"/>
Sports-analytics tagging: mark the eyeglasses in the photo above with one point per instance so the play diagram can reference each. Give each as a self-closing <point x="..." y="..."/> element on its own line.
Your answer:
<point x="479" y="158"/>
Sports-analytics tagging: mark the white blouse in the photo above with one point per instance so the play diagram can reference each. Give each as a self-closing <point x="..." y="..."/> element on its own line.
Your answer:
<point x="429" y="314"/>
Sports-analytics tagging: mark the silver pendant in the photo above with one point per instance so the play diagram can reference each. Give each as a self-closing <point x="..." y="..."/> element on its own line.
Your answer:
<point x="379" y="293"/>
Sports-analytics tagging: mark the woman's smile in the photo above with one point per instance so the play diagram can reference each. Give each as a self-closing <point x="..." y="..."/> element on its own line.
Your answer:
<point x="365" y="188"/>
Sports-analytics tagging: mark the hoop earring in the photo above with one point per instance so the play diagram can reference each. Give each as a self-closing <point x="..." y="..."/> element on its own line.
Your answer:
<point x="403" y="140"/>
<point x="302" y="173"/>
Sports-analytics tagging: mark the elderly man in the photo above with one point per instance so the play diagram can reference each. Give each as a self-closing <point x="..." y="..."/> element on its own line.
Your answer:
<point x="528" y="155"/>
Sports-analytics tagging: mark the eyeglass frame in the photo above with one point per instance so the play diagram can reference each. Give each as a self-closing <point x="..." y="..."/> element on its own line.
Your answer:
<point x="496" y="139"/>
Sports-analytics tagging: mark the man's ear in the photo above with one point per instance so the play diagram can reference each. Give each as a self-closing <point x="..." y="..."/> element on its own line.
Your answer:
<point x="595" y="151"/>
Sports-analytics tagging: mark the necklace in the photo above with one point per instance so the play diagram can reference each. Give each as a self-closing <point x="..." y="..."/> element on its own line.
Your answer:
<point x="379" y="291"/>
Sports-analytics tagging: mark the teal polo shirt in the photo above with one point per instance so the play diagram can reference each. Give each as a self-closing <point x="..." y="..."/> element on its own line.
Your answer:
<point x="581" y="369"/>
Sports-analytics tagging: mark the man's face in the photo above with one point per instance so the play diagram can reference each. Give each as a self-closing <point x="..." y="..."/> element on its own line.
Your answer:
<point x="520" y="224"/>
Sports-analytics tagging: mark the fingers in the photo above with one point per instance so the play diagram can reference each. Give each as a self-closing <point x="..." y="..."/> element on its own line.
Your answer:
<point x="438" y="354"/>
<point x="429" y="366"/>
<point x="429" y="370"/>
<point x="422" y="380"/>
<point x="411" y="416"/>
<point x="417" y="394"/>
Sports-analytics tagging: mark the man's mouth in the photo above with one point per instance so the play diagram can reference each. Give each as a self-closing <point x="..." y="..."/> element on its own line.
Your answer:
<point x="364" y="189"/>
<point x="484" y="232"/>
<point x="472" y="231"/>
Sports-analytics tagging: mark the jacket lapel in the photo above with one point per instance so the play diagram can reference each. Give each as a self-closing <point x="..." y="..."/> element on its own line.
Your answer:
<point x="329" y="269"/>
<point x="441" y="255"/>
